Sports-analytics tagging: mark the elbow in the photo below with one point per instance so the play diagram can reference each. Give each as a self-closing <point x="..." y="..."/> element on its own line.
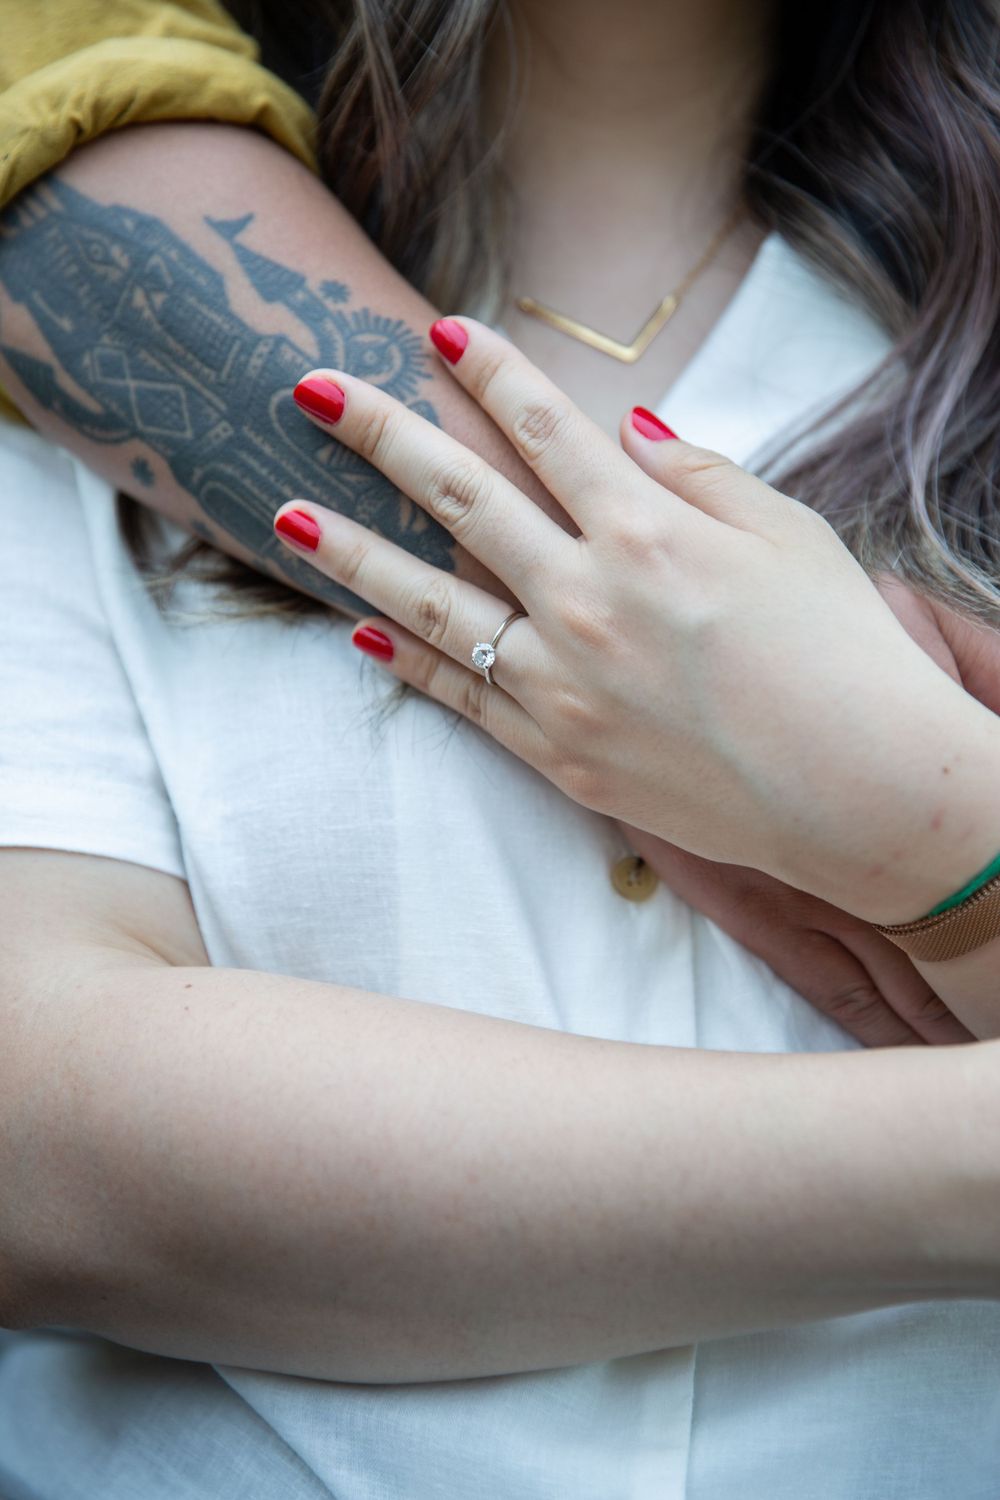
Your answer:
<point x="29" y="1294"/>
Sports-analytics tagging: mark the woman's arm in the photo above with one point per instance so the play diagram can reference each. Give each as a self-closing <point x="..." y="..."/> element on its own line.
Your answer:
<point x="161" y="295"/>
<point x="251" y="1169"/>
<point x="779" y="715"/>
<point x="837" y="961"/>
<point x="971" y="983"/>
<point x="187" y="181"/>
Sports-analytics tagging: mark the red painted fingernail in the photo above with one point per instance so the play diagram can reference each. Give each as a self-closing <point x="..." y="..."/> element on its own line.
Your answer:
<point x="375" y="642"/>
<point x="449" y="338"/>
<point x="300" y="528"/>
<point x="650" y="426"/>
<point x="320" y="398"/>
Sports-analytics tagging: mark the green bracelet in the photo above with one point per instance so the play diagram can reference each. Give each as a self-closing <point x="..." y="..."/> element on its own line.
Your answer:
<point x="983" y="878"/>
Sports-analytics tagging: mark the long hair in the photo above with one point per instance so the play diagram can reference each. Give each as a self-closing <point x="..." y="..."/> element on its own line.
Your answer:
<point x="875" y="152"/>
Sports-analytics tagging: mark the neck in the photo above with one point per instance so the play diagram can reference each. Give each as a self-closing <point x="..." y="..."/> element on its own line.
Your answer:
<point x="650" y="90"/>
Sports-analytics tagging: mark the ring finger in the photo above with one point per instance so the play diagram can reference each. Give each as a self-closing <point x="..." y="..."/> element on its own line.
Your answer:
<point x="448" y="614"/>
<point x="486" y="514"/>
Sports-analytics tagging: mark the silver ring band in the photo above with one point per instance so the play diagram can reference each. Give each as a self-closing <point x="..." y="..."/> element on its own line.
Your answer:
<point x="484" y="653"/>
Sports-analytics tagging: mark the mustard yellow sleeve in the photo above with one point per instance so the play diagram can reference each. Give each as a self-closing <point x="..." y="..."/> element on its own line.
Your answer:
<point x="72" y="70"/>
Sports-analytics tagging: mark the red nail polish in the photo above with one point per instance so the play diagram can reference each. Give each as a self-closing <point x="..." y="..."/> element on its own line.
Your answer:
<point x="300" y="528"/>
<point x="651" y="427"/>
<point x="375" y="642"/>
<point x="320" y="398"/>
<point x="449" y="338"/>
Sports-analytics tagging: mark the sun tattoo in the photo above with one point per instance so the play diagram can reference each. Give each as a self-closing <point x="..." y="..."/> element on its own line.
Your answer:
<point x="142" y="325"/>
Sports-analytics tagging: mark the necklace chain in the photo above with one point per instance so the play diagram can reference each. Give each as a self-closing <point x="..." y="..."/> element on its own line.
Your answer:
<point x="658" y="319"/>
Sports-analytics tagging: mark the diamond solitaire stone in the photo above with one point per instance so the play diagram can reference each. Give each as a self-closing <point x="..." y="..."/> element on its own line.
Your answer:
<point x="483" y="655"/>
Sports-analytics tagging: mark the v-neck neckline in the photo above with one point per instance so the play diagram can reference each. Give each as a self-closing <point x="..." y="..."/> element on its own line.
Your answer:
<point x="720" y="334"/>
<point x="787" y="344"/>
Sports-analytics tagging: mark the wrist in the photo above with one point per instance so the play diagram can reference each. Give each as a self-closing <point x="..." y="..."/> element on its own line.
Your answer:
<point x="921" y="828"/>
<point x="969" y="986"/>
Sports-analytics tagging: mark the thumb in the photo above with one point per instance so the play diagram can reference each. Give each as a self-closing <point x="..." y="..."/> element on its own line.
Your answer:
<point x="702" y="478"/>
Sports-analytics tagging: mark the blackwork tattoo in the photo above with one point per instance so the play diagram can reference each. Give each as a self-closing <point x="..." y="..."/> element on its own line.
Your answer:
<point x="143" y="326"/>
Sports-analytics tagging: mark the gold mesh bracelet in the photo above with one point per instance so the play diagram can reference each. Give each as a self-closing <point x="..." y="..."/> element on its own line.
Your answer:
<point x="952" y="933"/>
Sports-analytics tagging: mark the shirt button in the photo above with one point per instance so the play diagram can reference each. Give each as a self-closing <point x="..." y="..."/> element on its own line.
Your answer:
<point x="633" y="878"/>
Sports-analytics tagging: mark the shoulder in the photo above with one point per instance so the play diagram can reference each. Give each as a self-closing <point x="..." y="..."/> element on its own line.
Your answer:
<point x="90" y="69"/>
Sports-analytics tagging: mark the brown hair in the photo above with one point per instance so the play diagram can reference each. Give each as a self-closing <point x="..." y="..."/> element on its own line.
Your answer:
<point x="876" y="153"/>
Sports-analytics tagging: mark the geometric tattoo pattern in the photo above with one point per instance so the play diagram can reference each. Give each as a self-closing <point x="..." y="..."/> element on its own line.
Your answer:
<point x="143" y="326"/>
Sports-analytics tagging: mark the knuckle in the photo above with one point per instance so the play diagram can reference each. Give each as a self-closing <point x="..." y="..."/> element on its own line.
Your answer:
<point x="352" y="564"/>
<point x="701" y="463"/>
<point x="490" y="366"/>
<point x="536" y="426"/>
<point x="572" y="713"/>
<point x="432" y="612"/>
<point x="454" y="489"/>
<point x="472" y="699"/>
<point x="932" y="1010"/>
<point x="373" y="430"/>
<point x="582" y="781"/>
<point x="637" y="540"/>
<point x="856" y="1002"/>
<point x="426" y="673"/>
<point x="701" y="470"/>
<point x="587" y="621"/>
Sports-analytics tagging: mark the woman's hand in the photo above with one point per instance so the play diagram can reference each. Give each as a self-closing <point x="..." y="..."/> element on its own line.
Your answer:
<point x="837" y="962"/>
<point x="705" y="661"/>
<point x="833" y="959"/>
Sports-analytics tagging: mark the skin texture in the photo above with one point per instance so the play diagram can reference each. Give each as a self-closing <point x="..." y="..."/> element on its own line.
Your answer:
<point x="125" y="284"/>
<point x="666" y="97"/>
<point x="597" y="1199"/>
<point x="103" y="304"/>
<point x="771" y="765"/>
<point x="625" y="157"/>
<point x="878" y="1142"/>
<point x="162" y="343"/>
<point x="118" y="296"/>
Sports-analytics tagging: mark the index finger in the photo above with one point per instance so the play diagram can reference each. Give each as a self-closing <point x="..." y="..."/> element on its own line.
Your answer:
<point x="486" y="514"/>
<point x="579" y="463"/>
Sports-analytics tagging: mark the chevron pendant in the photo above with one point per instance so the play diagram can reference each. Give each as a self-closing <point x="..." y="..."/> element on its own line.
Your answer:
<point x="627" y="353"/>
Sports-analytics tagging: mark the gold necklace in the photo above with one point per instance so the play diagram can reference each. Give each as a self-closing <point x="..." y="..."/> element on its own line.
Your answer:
<point x="658" y="319"/>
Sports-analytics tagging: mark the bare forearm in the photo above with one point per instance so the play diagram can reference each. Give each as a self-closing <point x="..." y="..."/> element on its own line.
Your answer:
<point x="160" y="296"/>
<point x="937" y="794"/>
<point x="268" y="1172"/>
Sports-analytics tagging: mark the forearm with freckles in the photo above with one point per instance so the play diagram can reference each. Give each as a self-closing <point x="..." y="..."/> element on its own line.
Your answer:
<point x="253" y="1169"/>
<point x="970" y="985"/>
<point x="161" y="295"/>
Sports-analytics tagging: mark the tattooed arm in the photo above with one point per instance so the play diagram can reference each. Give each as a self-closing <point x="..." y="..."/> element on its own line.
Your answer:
<point x="160" y="296"/>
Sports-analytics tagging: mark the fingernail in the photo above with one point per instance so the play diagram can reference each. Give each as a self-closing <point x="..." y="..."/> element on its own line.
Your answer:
<point x="375" y="642"/>
<point x="299" y="528"/>
<point x="649" y="426"/>
<point x="449" y="338"/>
<point x="320" y="398"/>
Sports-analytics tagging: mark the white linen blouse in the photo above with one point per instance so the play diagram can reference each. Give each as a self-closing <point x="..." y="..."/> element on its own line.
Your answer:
<point x="417" y="858"/>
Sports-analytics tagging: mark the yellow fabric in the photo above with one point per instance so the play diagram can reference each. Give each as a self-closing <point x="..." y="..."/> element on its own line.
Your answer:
<point x="72" y="70"/>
